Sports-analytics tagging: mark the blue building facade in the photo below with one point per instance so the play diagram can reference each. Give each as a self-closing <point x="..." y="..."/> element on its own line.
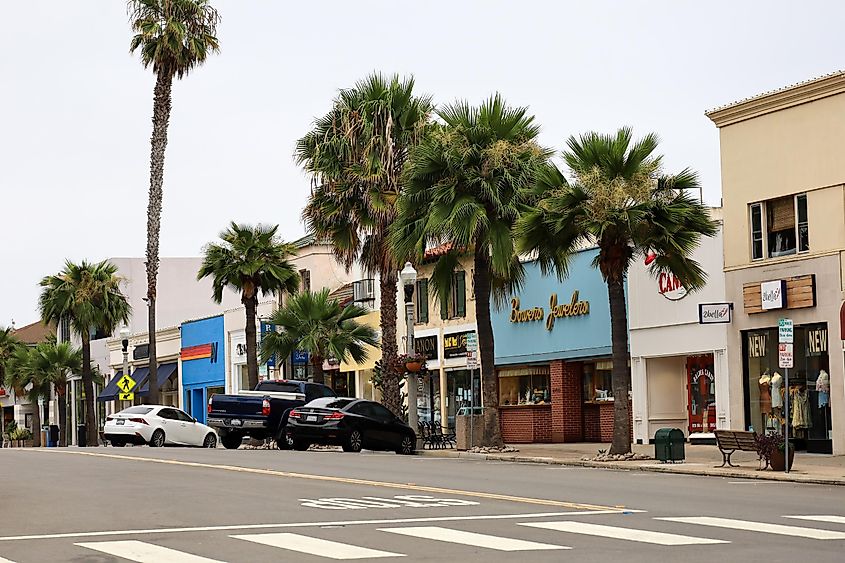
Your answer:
<point x="203" y="364"/>
<point x="553" y="356"/>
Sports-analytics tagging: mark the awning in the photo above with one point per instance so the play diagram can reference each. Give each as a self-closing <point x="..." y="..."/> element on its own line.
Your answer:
<point x="165" y="372"/>
<point x="111" y="390"/>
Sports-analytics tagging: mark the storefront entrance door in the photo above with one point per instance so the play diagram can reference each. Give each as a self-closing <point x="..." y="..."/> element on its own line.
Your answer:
<point x="701" y="392"/>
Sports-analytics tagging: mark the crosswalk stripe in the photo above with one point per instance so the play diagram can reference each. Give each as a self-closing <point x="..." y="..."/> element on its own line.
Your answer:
<point x="644" y="536"/>
<point x="143" y="552"/>
<point x="471" y="538"/>
<point x="797" y="531"/>
<point x="316" y="546"/>
<point x="4" y="560"/>
<point x="820" y="518"/>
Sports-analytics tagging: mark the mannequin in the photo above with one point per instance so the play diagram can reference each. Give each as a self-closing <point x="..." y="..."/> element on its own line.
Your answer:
<point x="777" y="388"/>
<point x="823" y="387"/>
<point x="765" y="393"/>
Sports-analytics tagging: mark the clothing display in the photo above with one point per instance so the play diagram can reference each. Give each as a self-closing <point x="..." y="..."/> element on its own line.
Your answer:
<point x="823" y="387"/>
<point x="765" y="393"/>
<point x="777" y="390"/>
<point x="801" y="416"/>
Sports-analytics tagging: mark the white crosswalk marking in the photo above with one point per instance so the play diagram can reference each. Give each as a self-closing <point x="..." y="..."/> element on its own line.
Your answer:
<point x="811" y="533"/>
<point x="143" y="552"/>
<point x="820" y="518"/>
<point x="644" y="536"/>
<point x="316" y="546"/>
<point x="4" y="560"/>
<point x="471" y="538"/>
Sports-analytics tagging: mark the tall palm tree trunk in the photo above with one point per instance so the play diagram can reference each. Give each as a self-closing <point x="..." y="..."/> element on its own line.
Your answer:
<point x="61" y="396"/>
<point x="489" y="382"/>
<point x="250" y="306"/>
<point x="317" y="365"/>
<point x="392" y="398"/>
<point x="158" y="144"/>
<point x="91" y="430"/>
<point x="621" y="375"/>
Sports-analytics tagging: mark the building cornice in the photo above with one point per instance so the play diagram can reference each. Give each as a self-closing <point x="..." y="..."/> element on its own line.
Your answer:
<point x="789" y="96"/>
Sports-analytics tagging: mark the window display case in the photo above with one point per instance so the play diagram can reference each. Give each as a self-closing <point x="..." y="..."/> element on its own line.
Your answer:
<point x="526" y="385"/>
<point x="598" y="381"/>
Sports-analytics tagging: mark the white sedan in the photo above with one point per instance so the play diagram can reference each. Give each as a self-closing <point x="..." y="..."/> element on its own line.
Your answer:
<point x="158" y="426"/>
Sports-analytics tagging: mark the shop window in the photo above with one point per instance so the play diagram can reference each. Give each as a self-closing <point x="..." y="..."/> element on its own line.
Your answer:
<point x="421" y="298"/>
<point x="598" y="381"/>
<point x="530" y="385"/>
<point x="785" y="229"/>
<point x="244" y="377"/>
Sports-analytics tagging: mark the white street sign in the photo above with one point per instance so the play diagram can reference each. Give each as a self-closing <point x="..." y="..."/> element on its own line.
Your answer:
<point x="472" y="359"/>
<point x="785" y="355"/>
<point x="785" y="331"/>
<point x="472" y="341"/>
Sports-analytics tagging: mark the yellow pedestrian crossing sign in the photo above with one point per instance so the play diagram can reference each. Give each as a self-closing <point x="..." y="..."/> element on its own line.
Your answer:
<point x="126" y="396"/>
<point x="126" y="384"/>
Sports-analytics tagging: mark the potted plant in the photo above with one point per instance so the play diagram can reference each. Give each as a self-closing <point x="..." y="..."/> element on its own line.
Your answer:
<point x="413" y="363"/>
<point x="770" y="448"/>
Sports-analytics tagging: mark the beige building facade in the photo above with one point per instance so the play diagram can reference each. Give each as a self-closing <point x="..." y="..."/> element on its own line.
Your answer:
<point x="784" y="258"/>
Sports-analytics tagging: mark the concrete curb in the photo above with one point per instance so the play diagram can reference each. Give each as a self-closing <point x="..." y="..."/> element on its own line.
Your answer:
<point x="677" y="469"/>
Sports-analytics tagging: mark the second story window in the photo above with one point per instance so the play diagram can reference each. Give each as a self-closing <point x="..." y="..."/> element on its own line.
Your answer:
<point x="457" y="305"/>
<point x="779" y="227"/>
<point x="64" y="330"/>
<point x="305" y="280"/>
<point x="364" y="293"/>
<point x="421" y="298"/>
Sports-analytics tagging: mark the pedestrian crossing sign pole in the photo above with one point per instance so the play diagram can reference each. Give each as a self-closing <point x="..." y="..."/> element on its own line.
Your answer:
<point x="126" y="388"/>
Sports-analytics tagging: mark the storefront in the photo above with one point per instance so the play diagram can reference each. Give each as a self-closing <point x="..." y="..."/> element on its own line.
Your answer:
<point x="552" y="349"/>
<point x="203" y="364"/>
<point x="678" y="349"/>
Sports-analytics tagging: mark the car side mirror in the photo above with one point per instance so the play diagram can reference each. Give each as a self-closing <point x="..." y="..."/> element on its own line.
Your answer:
<point x="195" y="420"/>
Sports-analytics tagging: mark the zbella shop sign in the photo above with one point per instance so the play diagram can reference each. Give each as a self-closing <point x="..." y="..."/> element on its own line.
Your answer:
<point x="714" y="313"/>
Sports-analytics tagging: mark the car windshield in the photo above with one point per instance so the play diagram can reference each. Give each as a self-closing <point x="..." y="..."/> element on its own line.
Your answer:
<point x="329" y="403"/>
<point x="136" y="410"/>
<point x="278" y="387"/>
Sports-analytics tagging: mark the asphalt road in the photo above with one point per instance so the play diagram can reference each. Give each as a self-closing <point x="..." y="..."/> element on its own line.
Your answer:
<point x="184" y="506"/>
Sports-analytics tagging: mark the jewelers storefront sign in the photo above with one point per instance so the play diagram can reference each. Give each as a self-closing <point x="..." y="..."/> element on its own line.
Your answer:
<point x="575" y="308"/>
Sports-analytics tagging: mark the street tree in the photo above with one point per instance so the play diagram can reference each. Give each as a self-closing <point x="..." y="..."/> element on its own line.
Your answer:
<point x="250" y="260"/>
<point x="50" y="364"/>
<point x="173" y="37"/>
<point x="87" y="296"/>
<point x="465" y="186"/>
<point x="618" y="199"/>
<point x="356" y="154"/>
<point x="319" y="325"/>
<point x="22" y="376"/>
<point x="8" y="344"/>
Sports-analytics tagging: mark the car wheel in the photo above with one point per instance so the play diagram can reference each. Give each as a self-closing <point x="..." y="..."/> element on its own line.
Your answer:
<point x="118" y="443"/>
<point x="407" y="446"/>
<point x="231" y="441"/>
<point x="300" y="446"/>
<point x="210" y="441"/>
<point x="285" y="441"/>
<point x="354" y="442"/>
<point x="157" y="439"/>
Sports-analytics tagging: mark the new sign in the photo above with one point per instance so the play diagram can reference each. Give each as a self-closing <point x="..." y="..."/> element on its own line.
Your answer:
<point x="714" y="313"/>
<point x="773" y="295"/>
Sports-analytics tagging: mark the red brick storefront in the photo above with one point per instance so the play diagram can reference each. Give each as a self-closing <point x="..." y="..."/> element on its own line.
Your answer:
<point x="567" y="419"/>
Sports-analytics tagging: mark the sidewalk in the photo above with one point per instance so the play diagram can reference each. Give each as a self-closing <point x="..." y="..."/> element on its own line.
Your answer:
<point x="700" y="460"/>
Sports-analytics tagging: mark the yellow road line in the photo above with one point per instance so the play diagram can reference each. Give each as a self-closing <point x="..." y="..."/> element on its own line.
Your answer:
<point x="345" y="480"/>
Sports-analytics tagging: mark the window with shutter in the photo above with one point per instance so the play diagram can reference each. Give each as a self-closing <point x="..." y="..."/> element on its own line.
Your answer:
<point x="459" y="294"/>
<point x="305" y="280"/>
<point x="422" y="301"/>
<point x="780" y="223"/>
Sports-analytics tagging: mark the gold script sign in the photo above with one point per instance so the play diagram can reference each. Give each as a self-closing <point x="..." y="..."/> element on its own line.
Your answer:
<point x="574" y="308"/>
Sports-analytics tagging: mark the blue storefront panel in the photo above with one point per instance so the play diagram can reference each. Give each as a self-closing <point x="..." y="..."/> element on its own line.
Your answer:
<point x="554" y="319"/>
<point x="203" y="363"/>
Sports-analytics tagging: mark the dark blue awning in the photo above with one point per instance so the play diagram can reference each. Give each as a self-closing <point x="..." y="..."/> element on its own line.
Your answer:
<point x="111" y="390"/>
<point x="165" y="372"/>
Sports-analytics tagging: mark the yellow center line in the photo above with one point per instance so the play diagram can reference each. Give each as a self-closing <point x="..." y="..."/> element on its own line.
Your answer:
<point x="345" y="480"/>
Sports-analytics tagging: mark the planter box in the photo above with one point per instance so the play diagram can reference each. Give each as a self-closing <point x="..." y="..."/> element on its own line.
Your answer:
<point x="778" y="462"/>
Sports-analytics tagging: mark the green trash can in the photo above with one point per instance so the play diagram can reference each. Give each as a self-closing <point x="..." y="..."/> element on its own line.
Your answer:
<point x="669" y="445"/>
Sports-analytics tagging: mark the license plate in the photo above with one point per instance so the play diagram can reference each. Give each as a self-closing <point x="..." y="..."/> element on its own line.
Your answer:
<point x="236" y="422"/>
<point x="120" y="422"/>
<point x="310" y="419"/>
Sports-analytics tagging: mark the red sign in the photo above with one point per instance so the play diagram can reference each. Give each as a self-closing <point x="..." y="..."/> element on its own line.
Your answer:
<point x="197" y="352"/>
<point x="2" y="392"/>
<point x="670" y="287"/>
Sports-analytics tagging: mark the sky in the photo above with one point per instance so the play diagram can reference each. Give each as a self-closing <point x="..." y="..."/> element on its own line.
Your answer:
<point x="76" y="106"/>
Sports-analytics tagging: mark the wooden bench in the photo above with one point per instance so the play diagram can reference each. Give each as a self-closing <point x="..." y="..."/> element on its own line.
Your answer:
<point x="729" y="441"/>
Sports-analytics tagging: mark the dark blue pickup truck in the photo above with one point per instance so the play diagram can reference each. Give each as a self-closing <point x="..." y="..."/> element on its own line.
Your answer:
<point x="261" y="413"/>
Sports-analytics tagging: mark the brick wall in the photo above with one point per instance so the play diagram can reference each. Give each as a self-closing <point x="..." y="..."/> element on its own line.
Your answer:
<point x="525" y="425"/>
<point x="598" y="422"/>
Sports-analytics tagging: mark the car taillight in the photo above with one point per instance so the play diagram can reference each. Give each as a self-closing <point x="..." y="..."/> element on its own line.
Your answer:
<point x="294" y="414"/>
<point x="334" y="416"/>
<point x="265" y="407"/>
<point x="139" y="421"/>
<point x="209" y="405"/>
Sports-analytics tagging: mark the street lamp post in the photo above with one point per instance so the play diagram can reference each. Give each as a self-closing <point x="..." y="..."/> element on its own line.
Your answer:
<point x="408" y="276"/>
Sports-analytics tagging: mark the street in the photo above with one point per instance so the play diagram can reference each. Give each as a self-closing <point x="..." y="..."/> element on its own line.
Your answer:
<point x="181" y="505"/>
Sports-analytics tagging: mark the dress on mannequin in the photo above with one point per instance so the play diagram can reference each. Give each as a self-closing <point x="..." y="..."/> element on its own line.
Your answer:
<point x="765" y="394"/>
<point x="823" y="388"/>
<point x="777" y="387"/>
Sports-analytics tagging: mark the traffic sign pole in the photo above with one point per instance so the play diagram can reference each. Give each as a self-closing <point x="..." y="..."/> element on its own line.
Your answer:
<point x="472" y="364"/>
<point x="785" y="339"/>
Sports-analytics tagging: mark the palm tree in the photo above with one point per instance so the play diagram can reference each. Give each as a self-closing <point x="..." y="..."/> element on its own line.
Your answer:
<point x="50" y="364"/>
<point x="23" y="376"/>
<point x="250" y="260"/>
<point x="88" y="296"/>
<point x="356" y="154"/>
<point x="319" y="325"/>
<point x="619" y="200"/>
<point x="173" y="36"/>
<point x="465" y="186"/>
<point x="8" y="344"/>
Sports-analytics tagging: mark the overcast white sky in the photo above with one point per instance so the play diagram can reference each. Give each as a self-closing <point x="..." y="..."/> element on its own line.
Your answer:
<point x="74" y="135"/>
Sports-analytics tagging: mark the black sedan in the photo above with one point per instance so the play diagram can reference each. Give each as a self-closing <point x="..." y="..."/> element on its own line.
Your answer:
<point x="354" y="424"/>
